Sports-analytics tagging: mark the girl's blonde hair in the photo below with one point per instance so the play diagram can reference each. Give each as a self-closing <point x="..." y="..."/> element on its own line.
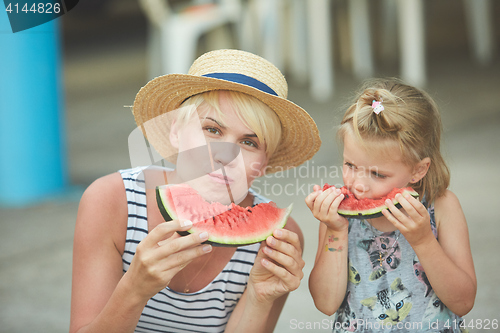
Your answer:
<point x="256" y="115"/>
<point x="411" y="119"/>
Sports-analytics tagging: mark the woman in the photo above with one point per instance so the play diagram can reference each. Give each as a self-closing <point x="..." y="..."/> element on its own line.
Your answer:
<point x="224" y="124"/>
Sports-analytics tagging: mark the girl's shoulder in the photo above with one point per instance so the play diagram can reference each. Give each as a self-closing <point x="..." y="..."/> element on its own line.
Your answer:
<point x="447" y="202"/>
<point x="447" y="209"/>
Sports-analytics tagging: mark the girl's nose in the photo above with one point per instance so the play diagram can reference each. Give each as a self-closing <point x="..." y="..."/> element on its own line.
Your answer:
<point x="359" y="187"/>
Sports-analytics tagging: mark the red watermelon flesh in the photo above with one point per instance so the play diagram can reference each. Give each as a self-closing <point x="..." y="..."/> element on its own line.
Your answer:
<point x="229" y="225"/>
<point x="368" y="208"/>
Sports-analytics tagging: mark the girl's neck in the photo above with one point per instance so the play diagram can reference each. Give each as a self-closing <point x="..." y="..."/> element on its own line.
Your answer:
<point x="382" y="224"/>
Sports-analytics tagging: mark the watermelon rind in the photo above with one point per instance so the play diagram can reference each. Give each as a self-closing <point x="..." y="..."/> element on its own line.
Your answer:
<point x="375" y="211"/>
<point x="161" y="200"/>
<point x="168" y="212"/>
<point x="232" y="242"/>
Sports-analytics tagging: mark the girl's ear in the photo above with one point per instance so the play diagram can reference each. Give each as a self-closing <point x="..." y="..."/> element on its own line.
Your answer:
<point x="174" y="134"/>
<point x="420" y="170"/>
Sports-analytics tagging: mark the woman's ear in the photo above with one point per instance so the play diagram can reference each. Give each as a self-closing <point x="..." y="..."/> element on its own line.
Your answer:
<point x="263" y="169"/>
<point x="260" y="168"/>
<point x="420" y="170"/>
<point x="174" y="134"/>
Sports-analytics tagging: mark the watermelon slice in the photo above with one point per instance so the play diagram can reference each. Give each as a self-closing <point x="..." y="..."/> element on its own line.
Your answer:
<point x="228" y="225"/>
<point x="368" y="208"/>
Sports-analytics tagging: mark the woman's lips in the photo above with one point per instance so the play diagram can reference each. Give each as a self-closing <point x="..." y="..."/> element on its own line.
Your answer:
<point x="218" y="178"/>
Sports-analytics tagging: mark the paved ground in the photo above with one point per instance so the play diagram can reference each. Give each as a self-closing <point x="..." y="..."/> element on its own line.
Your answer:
<point x="102" y="74"/>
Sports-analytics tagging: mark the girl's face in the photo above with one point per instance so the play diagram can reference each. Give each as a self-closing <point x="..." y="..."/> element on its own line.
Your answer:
<point x="219" y="158"/>
<point x="373" y="174"/>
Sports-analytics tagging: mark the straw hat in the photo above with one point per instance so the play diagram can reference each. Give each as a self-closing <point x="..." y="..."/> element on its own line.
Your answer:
<point x="237" y="71"/>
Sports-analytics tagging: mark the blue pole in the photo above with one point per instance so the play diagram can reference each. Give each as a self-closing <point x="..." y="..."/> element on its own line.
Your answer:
<point x="32" y="137"/>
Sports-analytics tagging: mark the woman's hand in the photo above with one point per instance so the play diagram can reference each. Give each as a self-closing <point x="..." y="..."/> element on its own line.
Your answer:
<point x="278" y="267"/>
<point x="415" y="224"/>
<point x="158" y="258"/>
<point x="324" y="206"/>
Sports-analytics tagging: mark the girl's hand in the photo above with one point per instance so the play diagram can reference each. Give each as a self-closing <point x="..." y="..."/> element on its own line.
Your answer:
<point x="158" y="258"/>
<point x="324" y="206"/>
<point x="415" y="224"/>
<point x="278" y="267"/>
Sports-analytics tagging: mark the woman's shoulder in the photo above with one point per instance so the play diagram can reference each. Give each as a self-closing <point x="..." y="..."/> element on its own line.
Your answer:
<point x="106" y="189"/>
<point x="103" y="209"/>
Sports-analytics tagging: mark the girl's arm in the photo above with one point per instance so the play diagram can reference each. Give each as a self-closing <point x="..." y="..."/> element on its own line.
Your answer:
<point x="103" y="299"/>
<point x="273" y="276"/>
<point x="328" y="279"/>
<point x="448" y="262"/>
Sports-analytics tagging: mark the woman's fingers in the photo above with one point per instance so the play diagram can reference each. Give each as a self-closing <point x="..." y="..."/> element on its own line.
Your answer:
<point x="165" y="246"/>
<point x="285" y="241"/>
<point x="285" y="250"/>
<point x="163" y="230"/>
<point x="291" y="281"/>
<point x="179" y="244"/>
<point x="181" y="259"/>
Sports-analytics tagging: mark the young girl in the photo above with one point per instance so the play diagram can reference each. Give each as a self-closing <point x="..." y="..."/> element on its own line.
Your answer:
<point x="131" y="270"/>
<point x="410" y="269"/>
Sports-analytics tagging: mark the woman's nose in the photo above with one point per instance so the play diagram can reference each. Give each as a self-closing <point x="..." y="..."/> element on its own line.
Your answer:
<point x="223" y="152"/>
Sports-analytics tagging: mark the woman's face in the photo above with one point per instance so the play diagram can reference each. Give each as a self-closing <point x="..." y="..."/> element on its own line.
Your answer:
<point x="219" y="158"/>
<point x="368" y="174"/>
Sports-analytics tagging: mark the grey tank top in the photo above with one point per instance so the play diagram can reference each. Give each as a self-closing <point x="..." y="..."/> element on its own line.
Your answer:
<point x="388" y="289"/>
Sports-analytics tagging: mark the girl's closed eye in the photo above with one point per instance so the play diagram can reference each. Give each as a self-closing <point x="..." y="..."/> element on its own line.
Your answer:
<point x="378" y="175"/>
<point x="349" y="165"/>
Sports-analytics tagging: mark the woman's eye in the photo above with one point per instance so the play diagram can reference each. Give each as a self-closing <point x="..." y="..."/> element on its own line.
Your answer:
<point x="213" y="130"/>
<point x="250" y="143"/>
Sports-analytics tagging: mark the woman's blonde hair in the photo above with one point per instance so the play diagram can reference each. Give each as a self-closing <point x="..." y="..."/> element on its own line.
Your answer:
<point x="256" y="115"/>
<point x="411" y="119"/>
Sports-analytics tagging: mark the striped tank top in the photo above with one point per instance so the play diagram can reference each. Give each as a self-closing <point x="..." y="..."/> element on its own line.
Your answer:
<point x="207" y="310"/>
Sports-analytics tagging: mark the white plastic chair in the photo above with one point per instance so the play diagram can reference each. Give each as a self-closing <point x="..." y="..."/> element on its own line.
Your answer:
<point x="479" y="19"/>
<point x="403" y="20"/>
<point x="174" y="36"/>
<point x="412" y="36"/>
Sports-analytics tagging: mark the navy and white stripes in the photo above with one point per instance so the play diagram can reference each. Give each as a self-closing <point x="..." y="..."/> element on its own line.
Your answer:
<point x="207" y="310"/>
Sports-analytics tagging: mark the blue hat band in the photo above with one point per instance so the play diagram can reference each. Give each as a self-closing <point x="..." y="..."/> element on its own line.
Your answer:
<point x="242" y="79"/>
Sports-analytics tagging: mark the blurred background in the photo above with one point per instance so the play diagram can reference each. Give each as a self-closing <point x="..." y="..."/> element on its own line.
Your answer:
<point x="109" y="49"/>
